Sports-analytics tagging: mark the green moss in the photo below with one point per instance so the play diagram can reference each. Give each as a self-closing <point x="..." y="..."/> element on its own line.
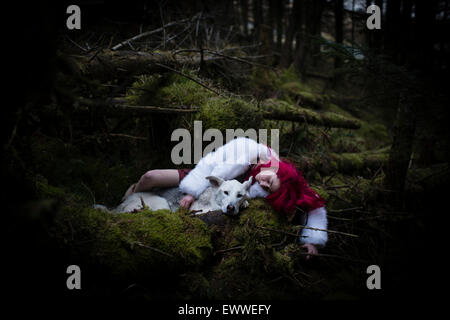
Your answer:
<point x="375" y="135"/>
<point x="44" y="190"/>
<point x="168" y="90"/>
<point x="322" y="192"/>
<point x="182" y="91"/>
<point x="336" y="109"/>
<point x="229" y="113"/>
<point x="64" y="166"/>
<point x="144" y="91"/>
<point x="282" y="262"/>
<point x="138" y="245"/>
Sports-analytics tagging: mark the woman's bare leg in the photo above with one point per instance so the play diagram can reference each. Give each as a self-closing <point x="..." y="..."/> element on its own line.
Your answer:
<point x="155" y="178"/>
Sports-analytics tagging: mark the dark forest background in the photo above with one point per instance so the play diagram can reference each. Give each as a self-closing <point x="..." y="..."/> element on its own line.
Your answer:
<point x="317" y="55"/>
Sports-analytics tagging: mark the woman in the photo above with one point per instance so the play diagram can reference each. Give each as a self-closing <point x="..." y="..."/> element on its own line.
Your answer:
<point x="279" y="182"/>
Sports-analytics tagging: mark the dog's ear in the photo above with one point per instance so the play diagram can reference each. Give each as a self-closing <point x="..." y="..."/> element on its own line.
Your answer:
<point x="248" y="183"/>
<point x="215" y="181"/>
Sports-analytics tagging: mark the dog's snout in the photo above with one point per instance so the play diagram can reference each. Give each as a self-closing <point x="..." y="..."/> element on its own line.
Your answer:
<point x="230" y="207"/>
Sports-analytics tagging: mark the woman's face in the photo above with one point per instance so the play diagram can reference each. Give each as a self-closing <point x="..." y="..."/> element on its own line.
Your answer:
<point x="268" y="180"/>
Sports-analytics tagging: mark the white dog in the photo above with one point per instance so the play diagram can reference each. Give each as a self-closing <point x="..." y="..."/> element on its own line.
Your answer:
<point x="228" y="196"/>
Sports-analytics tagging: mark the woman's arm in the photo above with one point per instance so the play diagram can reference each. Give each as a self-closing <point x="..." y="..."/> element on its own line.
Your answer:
<point x="227" y="162"/>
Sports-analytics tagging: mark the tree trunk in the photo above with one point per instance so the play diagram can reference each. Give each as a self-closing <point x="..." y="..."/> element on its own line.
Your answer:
<point x="257" y="18"/>
<point x="339" y="28"/>
<point x="279" y="12"/>
<point x="244" y="14"/>
<point x="401" y="149"/>
<point x="425" y="28"/>
<point x="393" y="28"/>
<point x="309" y="47"/>
<point x="293" y="22"/>
<point x="378" y="34"/>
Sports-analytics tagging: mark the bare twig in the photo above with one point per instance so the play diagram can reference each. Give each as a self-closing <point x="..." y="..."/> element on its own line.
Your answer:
<point x="330" y="256"/>
<point x="329" y="231"/>
<point x="229" y="249"/>
<point x="279" y="231"/>
<point x="148" y="33"/>
<point x="190" y="78"/>
<point x="90" y="191"/>
<point x="127" y="136"/>
<point x="154" y="249"/>
<point x="345" y="210"/>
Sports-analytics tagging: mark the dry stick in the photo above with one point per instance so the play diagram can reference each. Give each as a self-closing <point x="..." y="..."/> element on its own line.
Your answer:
<point x="127" y="136"/>
<point x="148" y="33"/>
<point x="113" y="106"/>
<point x="154" y="249"/>
<point x="238" y="59"/>
<point x="310" y="228"/>
<point x="338" y="186"/>
<point x="173" y="37"/>
<point x="331" y="256"/>
<point x="345" y="210"/>
<point x="330" y="231"/>
<point x="190" y="78"/>
<point x="300" y="253"/>
<point x="229" y="249"/>
<point x="90" y="191"/>
<point x="222" y="55"/>
<point x="279" y="231"/>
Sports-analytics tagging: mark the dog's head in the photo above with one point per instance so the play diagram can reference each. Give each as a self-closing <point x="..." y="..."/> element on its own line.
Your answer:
<point x="229" y="195"/>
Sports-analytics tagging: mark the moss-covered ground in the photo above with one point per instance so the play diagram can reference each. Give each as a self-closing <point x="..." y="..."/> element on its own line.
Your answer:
<point x="82" y="161"/>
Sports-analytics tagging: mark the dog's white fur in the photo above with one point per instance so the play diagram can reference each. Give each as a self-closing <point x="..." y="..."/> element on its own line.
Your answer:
<point x="225" y="195"/>
<point x="228" y="196"/>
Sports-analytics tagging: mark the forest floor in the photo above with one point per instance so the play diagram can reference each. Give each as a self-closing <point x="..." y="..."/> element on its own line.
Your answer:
<point x="94" y="139"/>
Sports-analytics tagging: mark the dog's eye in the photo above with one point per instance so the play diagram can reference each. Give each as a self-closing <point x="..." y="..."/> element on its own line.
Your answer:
<point x="226" y="192"/>
<point x="239" y="195"/>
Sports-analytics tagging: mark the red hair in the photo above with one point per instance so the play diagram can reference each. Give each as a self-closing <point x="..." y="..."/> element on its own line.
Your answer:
<point x="294" y="191"/>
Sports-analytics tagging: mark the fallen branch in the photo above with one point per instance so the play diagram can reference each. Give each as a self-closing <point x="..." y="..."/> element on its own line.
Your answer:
<point x="114" y="108"/>
<point x="281" y="110"/>
<point x="127" y="136"/>
<point x="109" y="64"/>
<point x="148" y="33"/>
<point x="344" y="210"/>
<point x="154" y="249"/>
<point x="329" y="231"/>
<point x="279" y="231"/>
<point x="224" y="56"/>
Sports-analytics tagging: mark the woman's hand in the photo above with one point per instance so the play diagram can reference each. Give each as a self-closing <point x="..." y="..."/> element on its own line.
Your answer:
<point x="186" y="201"/>
<point x="312" y="250"/>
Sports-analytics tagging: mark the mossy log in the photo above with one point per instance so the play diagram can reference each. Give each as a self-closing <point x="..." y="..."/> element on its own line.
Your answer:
<point x="305" y="98"/>
<point x="281" y="110"/>
<point x="139" y="246"/>
<point x="119" y="108"/>
<point x="360" y="162"/>
<point x="351" y="163"/>
<point x="109" y="64"/>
